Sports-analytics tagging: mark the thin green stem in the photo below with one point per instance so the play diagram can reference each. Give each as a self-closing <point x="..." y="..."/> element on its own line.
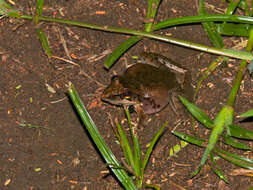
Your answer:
<point x="224" y="52"/>
<point x="237" y="83"/>
<point x="239" y="77"/>
<point x="206" y="18"/>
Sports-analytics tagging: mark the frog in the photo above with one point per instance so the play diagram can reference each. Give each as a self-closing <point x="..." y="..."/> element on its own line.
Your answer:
<point x="149" y="84"/>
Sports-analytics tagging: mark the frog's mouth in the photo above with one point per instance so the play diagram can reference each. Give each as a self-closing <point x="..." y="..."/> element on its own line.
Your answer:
<point x="116" y="100"/>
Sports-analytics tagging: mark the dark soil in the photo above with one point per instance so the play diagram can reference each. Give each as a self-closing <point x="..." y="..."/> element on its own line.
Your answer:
<point x="56" y="152"/>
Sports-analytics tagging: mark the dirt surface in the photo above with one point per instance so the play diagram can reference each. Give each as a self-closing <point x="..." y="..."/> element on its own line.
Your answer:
<point x="56" y="152"/>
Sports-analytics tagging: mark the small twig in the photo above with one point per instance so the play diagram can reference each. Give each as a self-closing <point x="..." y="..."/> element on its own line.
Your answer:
<point x="63" y="42"/>
<point x="57" y="101"/>
<point x="66" y="60"/>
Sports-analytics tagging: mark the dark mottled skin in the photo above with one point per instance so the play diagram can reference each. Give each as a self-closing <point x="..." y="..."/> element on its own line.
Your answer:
<point x="148" y="84"/>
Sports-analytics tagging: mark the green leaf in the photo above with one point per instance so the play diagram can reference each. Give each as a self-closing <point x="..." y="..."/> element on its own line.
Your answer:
<point x="105" y="151"/>
<point x="122" y="48"/>
<point x="231" y="29"/>
<point x="216" y="170"/>
<point x="189" y="139"/>
<point x="6" y="9"/>
<point x="39" y="9"/>
<point x="235" y="159"/>
<point x="230" y="141"/>
<point x="210" y="28"/>
<point x="151" y="146"/>
<point x="137" y="151"/>
<point x="125" y="146"/>
<point x="44" y="42"/>
<point x="232" y="7"/>
<point x="239" y="132"/>
<point x="219" y="124"/>
<point x="247" y="114"/>
<point x="151" y="13"/>
<point x="197" y="113"/>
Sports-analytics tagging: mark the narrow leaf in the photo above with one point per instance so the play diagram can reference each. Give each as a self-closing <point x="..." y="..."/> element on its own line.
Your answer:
<point x="39" y="9"/>
<point x="210" y="28"/>
<point x="125" y="146"/>
<point x="189" y="139"/>
<point x="247" y="114"/>
<point x="239" y="132"/>
<point x="230" y="141"/>
<point x="105" y="151"/>
<point x="197" y="113"/>
<point x="235" y="159"/>
<point x="151" y="146"/>
<point x="44" y="42"/>
<point x="121" y="49"/>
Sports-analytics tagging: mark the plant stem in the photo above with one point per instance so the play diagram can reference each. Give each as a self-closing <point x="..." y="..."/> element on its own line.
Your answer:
<point x="239" y="77"/>
<point x="224" y="52"/>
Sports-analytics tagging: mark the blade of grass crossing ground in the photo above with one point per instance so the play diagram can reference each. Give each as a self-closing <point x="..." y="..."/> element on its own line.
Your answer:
<point x="109" y="157"/>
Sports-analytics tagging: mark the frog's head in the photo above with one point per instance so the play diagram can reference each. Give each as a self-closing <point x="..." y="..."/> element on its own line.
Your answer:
<point x="117" y="94"/>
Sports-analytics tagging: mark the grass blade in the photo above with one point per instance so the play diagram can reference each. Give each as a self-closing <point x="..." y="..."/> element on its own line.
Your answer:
<point x="231" y="29"/>
<point x="151" y="146"/>
<point x="234" y="143"/>
<point x="151" y="13"/>
<point x="44" y="42"/>
<point x="239" y="132"/>
<point x="210" y="28"/>
<point x="109" y="157"/>
<point x="6" y="9"/>
<point x="197" y="113"/>
<point x="189" y="139"/>
<point x="216" y="170"/>
<point x="39" y="9"/>
<point x="121" y="49"/>
<point x="235" y="159"/>
<point x="125" y="146"/>
<point x="247" y="114"/>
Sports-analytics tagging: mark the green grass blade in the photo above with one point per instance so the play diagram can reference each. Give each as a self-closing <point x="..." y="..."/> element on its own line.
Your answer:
<point x="105" y="151"/>
<point x="151" y="13"/>
<point x="219" y="124"/>
<point x="235" y="159"/>
<point x="247" y="114"/>
<point x="208" y="71"/>
<point x="44" y="42"/>
<point x="197" y="113"/>
<point x="210" y="28"/>
<point x="39" y="9"/>
<point x="200" y="19"/>
<point x="189" y="139"/>
<point x="239" y="132"/>
<point x="137" y="150"/>
<point x="234" y="143"/>
<point x="232" y="7"/>
<point x="6" y="9"/>
<point x="125" y="146"/>
<point x="216" y="170"/>
<point x="231" y="29"/>
<point x="151" y="146"/>
<point x="121" y="49"/>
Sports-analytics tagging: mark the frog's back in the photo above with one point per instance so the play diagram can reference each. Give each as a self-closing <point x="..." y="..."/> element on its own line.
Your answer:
<point x="149" y="77"/>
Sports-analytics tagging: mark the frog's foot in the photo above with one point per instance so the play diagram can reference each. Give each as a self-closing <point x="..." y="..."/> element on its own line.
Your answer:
<point x="142" y="120"/>
<point x="173" y="101"/>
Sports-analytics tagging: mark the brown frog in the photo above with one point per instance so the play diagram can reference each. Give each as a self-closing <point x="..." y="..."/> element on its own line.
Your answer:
<point x="149" y="84"/>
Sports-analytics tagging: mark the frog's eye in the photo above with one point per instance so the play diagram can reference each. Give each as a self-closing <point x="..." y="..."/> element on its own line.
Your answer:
<point x="127" y="97"/>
